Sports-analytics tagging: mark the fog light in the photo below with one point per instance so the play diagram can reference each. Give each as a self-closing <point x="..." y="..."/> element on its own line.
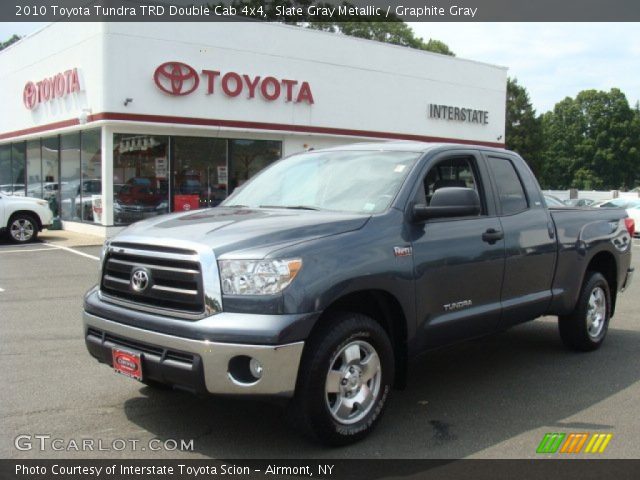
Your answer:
<point x="256" y="368"/>
<point x="245" y="370"/>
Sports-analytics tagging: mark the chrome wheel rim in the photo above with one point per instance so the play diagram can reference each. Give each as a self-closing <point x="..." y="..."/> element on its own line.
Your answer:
<point x="353" y="382"/>
<point x="596" y="312"/>
<point x="22" y="230"/>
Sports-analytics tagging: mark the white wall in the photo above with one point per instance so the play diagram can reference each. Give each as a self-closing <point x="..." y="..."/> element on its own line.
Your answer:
<point x="54" y="49"/>
<point x="357" y="84"/>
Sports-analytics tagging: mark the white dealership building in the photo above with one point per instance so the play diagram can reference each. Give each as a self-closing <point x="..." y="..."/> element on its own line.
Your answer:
<point x="114" y="122"/>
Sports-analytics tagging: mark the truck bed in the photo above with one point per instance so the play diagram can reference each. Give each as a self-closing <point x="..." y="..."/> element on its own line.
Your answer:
<point x="580" y="230"/>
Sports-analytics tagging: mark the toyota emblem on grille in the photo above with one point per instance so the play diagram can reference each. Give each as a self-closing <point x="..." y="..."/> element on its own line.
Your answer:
<point x="140" y="279"/>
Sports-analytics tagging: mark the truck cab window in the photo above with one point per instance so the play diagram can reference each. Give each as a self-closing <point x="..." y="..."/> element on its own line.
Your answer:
<point x="510" y="191"/>
<point x="451" y="172"/>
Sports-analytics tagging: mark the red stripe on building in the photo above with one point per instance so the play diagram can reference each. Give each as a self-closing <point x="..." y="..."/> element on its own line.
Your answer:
<point x="40" y="128"/>
<point x="241" y="124"/>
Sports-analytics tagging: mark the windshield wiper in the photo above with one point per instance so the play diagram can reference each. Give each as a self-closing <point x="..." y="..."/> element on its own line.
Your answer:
<point x="291" y="207"/>
<point x="235" y="206"/>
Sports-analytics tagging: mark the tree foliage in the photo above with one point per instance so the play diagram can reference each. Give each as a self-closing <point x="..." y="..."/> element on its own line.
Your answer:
<point x="523" y="129"/>
<point x="396" y="32"/>
<point x="592" y="141"/>
<point x="11" y="41"/>
<point x="392" y="30"/>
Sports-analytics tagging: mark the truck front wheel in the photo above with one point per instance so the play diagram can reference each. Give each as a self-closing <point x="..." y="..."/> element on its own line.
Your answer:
<point x="586" y="327"/>
<point x="345" y="379"/>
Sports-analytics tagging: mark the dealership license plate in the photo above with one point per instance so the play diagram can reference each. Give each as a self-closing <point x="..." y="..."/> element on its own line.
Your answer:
<point x="127" y="363"/>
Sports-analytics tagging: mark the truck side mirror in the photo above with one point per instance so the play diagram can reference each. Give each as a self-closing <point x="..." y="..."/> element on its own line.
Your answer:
<point x="449" y="202"/>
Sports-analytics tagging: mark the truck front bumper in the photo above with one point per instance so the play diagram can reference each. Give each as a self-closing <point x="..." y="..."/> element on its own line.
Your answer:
<point x="200" y="366"/>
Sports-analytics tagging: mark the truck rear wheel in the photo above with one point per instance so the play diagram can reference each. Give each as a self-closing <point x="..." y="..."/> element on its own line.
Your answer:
<point x="586" y="327"/>
<point x="345" y="379"/>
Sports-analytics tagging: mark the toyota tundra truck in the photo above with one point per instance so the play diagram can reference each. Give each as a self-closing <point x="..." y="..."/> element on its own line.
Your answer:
<point x="320" y="278"/>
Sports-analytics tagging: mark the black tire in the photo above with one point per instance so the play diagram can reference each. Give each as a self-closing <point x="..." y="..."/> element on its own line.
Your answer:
<point x="328" y="348"/>
<point x="22" y="228"/>
<point x="577" y="329"/>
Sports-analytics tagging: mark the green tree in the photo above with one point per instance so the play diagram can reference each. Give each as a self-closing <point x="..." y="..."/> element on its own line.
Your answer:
<point x="11" y="41"/>
<point x="592" y="141"/>
<point x="523" y="129"/>
<point x="393" y="30"/>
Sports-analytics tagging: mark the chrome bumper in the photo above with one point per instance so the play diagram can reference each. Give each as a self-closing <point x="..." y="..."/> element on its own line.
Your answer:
<point x="280" y="363"/>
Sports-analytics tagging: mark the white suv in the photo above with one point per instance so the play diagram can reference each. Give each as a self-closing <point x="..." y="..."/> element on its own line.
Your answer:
<point x="23" y="217"/>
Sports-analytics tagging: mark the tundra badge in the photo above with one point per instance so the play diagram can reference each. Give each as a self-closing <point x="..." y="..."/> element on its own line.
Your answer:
<point x="450" y="307"/>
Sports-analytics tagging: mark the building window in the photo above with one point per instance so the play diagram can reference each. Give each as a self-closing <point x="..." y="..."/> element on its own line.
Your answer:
<point x="91" y="169"/>
<point x="71" y="205"/>
<point x="248" y="157"/>
<point x="6" y="185"/>
<point x="140" y="177"/>
<point x="18" y="167"/>
<point x="50" y="172"/>
<point x="154" y="174"/>
<point x="34" y="169"/>
<point x="199" y="172"/>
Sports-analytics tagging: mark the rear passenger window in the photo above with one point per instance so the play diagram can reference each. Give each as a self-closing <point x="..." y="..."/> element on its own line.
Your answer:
<point x="510" y="191"/>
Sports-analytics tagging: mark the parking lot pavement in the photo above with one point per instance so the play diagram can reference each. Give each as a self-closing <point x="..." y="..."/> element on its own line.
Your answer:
<point x="490" y="398"/>
<point x="65" y="238"/>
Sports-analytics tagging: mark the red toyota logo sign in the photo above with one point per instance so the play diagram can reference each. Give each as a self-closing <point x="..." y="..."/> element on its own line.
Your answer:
<point x="56" y="86"/>
<point x="176" y="78"/>
<point x="30" y="95"/>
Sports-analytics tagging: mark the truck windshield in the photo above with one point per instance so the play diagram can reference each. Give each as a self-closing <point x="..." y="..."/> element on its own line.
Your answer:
<point x="345" y="181"/>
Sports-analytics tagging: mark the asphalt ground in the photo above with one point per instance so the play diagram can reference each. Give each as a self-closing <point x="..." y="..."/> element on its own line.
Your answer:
<point x="489" y="398"/>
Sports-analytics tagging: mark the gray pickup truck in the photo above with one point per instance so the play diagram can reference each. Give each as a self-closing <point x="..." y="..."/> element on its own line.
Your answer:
<point x="321" y="277"/>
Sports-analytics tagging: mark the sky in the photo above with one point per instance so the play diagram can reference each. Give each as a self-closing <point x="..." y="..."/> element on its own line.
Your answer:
<point x="552" y="60"/>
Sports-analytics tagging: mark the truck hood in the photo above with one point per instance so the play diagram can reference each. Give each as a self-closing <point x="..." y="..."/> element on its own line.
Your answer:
<point x="242" y="232"/>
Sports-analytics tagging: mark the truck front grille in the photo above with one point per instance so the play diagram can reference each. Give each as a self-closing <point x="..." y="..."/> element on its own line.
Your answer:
<point x="174" y="277"/>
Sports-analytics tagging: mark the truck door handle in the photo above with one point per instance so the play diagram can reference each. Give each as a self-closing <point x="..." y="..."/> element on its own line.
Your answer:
<point x="492" y="235"/>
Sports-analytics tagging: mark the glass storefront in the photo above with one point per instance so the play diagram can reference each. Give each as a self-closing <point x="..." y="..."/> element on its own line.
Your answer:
<point x="5" y="169"/>
<point x="18" y="167"/>
<point x="91" y="168"/>
<point x="152" y="174"/>
<point x="70" y="201"/>
<point x="34" y="169"/>
<point x="199" y="172"/>
<point x="51" y="172"/>
<point x="13" y="163"/>
<point x="140" y="177"/>
<point x="51" y="168"/>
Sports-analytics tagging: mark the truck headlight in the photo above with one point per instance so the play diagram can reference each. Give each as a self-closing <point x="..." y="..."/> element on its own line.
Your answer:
<point x="257" y="277"/>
